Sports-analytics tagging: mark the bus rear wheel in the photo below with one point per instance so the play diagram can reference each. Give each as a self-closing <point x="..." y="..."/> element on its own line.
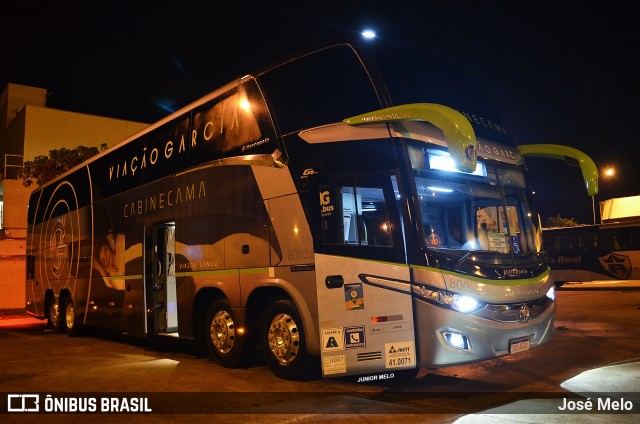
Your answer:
<point x="69" y="319"/>
<point x="283" y="342"/>
<point x="224" y="343"/>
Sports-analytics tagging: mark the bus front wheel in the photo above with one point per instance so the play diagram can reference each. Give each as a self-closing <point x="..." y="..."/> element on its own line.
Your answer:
<point x="54" y="319"/>
<point x="224" y="343"/>
<point x="283" y="342"/>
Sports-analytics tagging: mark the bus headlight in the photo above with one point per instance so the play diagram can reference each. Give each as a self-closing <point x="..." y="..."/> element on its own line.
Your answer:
<point x="458" y="302"/>
<point x="551" y="294"/>
<point x="464" y="304"/>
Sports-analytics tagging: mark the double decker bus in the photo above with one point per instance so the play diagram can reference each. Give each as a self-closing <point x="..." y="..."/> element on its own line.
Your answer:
<point x="342" y="214"/>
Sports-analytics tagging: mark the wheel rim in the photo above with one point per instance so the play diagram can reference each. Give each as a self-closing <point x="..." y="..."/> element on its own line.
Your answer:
<point x="284" y="338"/>
<point x="54" y="314"/>
<point x="69" y="315"/>
<point x="222" y="331"/>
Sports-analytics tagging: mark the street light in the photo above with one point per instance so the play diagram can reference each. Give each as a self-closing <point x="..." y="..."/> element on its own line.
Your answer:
<point x="369" y="34"/>
<point x="608" y="172"/>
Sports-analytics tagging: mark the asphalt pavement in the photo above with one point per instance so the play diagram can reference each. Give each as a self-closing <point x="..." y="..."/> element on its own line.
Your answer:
<point x="621" y="379"/>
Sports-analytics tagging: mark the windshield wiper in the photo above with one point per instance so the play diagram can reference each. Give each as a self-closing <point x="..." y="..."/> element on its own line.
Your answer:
<point x="464" y="258"/>
<point x="466" y="255"/>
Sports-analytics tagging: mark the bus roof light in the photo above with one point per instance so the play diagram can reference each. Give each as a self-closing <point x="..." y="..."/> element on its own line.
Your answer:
<point x="440" y="189"/>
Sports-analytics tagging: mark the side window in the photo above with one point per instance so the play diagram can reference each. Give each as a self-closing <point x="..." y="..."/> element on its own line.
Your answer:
<point x="590" y="241"/>
<point x="355" y="215"/>
<point x="621" y="240"/>
<point x="330" y="213"/>
<point x="31" y="267"/>
<point x="551" y="244"/>
<point x="634" y="238"/>
<point x="569" y="243"/>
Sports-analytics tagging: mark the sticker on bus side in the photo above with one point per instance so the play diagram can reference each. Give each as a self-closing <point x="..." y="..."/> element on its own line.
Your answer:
<point x="332" y="339"/>
<point x="354" y="337"/>
<point x="353" y="296"/>
<point x="399" y="355"/>
<point x="335" y="364"/>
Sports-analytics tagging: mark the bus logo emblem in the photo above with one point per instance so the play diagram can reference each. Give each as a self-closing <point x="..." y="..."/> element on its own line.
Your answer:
<point x="619" y="266"/>
<point x="523" y="314"/>
<point x="58" y="250"/>
<point x="471" y="153"/>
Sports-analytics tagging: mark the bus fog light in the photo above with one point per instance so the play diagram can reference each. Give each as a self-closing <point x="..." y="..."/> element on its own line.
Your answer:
<point x="456" y="340"/>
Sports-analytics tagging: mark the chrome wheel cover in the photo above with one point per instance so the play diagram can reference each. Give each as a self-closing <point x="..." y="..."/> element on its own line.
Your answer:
<point x="54" y="314"/>
<point x="70" y="315"/>
<point x="222" y="331"/>
<point x="284" y="338"/>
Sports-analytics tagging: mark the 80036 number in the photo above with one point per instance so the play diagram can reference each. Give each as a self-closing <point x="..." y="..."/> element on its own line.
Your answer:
<point x="299" y="254"/>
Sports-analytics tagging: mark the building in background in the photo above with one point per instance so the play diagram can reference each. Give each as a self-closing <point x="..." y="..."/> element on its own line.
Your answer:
<point x="28" y="128"/>
<point x="620" y="209"/>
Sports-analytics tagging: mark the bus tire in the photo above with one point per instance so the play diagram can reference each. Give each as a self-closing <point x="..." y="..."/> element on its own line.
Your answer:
<point x="70" y="322"/>
<point x="54" y="319"/>
<point x="224" y="344"/>
<point x="282" y="339"/>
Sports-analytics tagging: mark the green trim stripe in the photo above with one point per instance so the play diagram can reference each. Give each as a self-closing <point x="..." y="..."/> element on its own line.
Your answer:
<point x="209" y="272"/>
<point x="514" y="282"/>
<point x="265" y="270"/>
<point x="124" y="277"/>
<point x="262" y="270"/>
<point x="253" y="270"/>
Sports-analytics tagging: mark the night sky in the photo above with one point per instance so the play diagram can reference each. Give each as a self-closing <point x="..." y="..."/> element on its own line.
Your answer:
<point x="558" y="72"/>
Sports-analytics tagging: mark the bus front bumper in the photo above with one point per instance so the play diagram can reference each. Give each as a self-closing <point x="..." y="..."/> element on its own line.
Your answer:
<point x="440" y="330"/>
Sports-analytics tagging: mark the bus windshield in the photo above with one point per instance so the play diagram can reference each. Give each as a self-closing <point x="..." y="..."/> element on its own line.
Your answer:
<point x="483" y="211"/>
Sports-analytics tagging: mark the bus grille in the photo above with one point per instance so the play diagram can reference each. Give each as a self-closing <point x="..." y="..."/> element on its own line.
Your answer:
<point x="512" y="312"/>
<point x="369" y="356"/>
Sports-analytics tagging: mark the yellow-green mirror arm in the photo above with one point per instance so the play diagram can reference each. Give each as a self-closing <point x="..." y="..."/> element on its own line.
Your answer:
<point x="457" y="130"/>
<point x="557" y="151"/>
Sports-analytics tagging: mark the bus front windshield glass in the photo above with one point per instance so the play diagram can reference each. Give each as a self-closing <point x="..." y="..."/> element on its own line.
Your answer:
<point x="484" y="211"/>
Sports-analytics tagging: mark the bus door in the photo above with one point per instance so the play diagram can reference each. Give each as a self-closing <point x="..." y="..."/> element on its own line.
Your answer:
<point x="161" y="287"/>
<point x="363" y="285"/>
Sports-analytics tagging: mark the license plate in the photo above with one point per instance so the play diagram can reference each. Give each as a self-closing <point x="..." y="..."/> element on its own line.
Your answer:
<point x="519" y="345"/>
